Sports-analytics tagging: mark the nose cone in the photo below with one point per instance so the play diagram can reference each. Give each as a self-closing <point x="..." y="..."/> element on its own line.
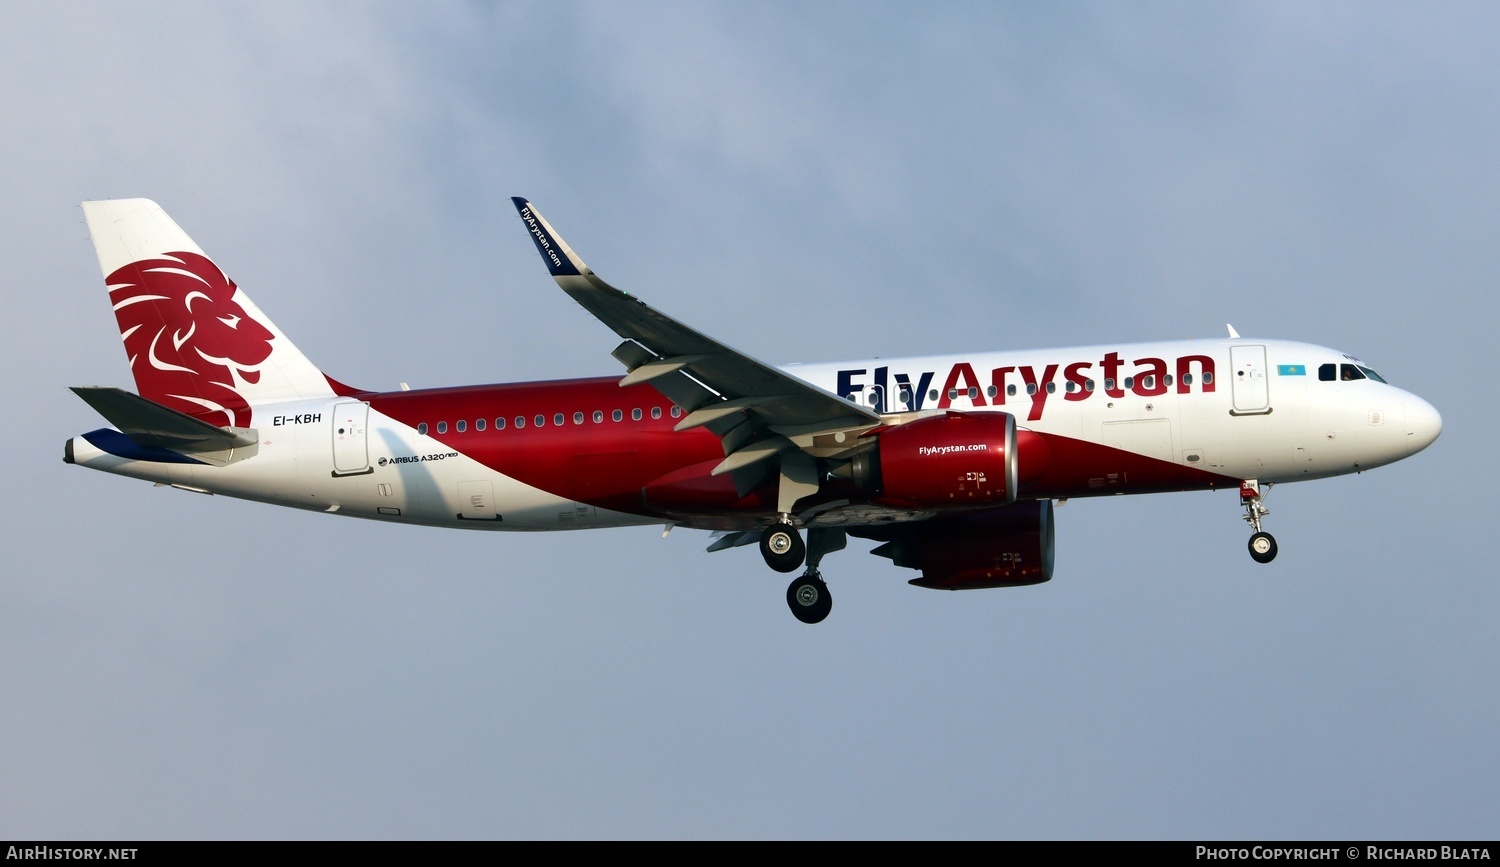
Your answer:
<point x="1423" y="424"/>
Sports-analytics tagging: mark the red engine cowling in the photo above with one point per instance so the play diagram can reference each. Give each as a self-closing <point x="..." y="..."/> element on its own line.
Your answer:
<point x="1006" y="547"/>
<point x="956" y="459"/>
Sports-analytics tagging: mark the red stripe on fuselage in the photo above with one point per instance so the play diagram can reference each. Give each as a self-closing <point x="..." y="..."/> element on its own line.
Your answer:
<point x="604" y="464"/>
<point x="1079" y="468"/>
<point x="613" y="464"/>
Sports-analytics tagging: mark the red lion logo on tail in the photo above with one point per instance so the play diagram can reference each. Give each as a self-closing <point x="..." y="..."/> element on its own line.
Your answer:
<point x="190" y="343"/>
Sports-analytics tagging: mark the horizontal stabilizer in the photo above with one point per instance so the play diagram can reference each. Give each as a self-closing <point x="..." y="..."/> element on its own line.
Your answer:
<point x="152" y="425"/>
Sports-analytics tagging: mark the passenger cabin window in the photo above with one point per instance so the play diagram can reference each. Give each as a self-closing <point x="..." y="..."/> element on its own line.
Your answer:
<point x="577" y="418"/>
<point x="598" y="416"/>
<point x="1208" y="377"/>
<point x="973" y="392"/>
<point x="1088" y="385"/>
<point x="676" y="411"/>
<point x="557" y="419"/>
<point x="540" y="421"/>
<point x="617" y="415"/>
<point x="422" y="428"/>
<point x="932" y="395"/>
<point x="442" y="427"/>
<point x="991" y="391"/>
<point x="635" y="414"/>
<point x="520" y="421"/>
<point x="1109" y="383"/>
<point x="656" y="412"/>
<point x="1130" y="382"/>
<point x="1071" y="386"/>
<point x="1010" y="390"/>
<point x="1187" y="378"/>
<point x="500" y="423"/>
<point x="1052" y="388"/>
<point x="1031" y="388"/>
<point x="461" y="426"/>
<point x="478" y="424"/>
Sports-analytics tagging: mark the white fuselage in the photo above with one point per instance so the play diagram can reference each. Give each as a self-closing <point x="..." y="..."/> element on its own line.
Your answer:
<point x="1239" y="409"/>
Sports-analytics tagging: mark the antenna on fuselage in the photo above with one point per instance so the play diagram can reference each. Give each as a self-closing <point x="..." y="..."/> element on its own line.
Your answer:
<point x="1233" y="335"/>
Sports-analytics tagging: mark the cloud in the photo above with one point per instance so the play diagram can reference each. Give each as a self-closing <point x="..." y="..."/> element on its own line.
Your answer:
<point x="806" y="183"/>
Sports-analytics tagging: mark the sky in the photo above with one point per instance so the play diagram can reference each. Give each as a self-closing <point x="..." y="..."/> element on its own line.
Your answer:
<point x="805" y="182"/>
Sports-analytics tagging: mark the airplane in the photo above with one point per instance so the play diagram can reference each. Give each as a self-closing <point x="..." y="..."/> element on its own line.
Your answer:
<point x="952" y="463"/>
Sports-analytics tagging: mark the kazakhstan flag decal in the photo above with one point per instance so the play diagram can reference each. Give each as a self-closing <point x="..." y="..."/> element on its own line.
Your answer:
<point x="1291" y="370"/>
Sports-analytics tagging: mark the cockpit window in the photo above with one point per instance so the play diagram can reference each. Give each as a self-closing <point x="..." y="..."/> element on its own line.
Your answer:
<point x="1347" y="373"/>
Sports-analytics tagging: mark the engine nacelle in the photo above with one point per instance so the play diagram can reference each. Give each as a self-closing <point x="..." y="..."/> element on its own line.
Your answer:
<point x="1007" y="547"/>
<point x="956" y="459"/>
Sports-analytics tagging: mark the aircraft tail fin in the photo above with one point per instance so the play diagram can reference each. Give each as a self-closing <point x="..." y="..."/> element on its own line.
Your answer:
<point x="196" y="343"/>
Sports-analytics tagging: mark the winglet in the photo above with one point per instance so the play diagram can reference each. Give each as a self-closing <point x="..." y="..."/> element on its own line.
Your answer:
<point x="560" y="258"/>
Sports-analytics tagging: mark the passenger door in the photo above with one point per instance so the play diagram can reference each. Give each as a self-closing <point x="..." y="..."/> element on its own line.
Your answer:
<point x="1251" y="393"/>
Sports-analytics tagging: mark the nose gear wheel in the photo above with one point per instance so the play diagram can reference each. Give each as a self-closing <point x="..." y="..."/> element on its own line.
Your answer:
<point x="1262" y="544"/>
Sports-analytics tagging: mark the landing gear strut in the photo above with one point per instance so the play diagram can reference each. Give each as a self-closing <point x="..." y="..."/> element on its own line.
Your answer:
<point x="1262" y="544"/>
<point x="808" y="596"/>
<point x="782" y="546"/>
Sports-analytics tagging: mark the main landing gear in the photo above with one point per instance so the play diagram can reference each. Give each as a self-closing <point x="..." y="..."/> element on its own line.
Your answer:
<point x="781" y="546"/>
<point x="808" y="598"/>
<point x="1262" y="544"/>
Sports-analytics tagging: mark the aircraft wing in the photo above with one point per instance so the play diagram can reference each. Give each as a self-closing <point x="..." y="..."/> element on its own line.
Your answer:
<point x="680" y="361"/>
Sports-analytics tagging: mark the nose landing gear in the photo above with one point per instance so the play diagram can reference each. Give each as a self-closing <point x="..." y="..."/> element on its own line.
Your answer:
<point x="1262" y="544"/>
